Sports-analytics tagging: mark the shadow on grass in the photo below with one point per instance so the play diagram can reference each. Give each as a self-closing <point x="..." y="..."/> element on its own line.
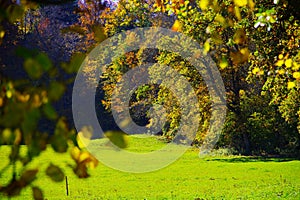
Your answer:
<point x="251" y="159"/>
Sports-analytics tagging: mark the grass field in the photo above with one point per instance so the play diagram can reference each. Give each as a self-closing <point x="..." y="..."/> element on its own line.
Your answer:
<point x="190" y="177"/>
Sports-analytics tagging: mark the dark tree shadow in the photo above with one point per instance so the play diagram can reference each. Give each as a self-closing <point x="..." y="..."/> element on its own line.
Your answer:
<point x="252" y="159"/>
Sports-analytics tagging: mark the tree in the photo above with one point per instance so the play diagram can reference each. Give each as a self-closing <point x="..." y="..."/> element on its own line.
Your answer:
<point x="278" y="63"/>
<point x="25" y="101"/>
<point x="235" y="34"/>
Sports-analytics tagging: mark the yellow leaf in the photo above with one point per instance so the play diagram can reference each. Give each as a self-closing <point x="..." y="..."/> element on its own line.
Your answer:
<point x="281" y="71"/>
<point x="245" y="54"/>
<point x="279" y="63"/>
<point x="240" y="57"/>
<point x="83" y="156"/>
<point x="296" y="66"/>
<point x="84" y="136"/>
<point x="251" y="4"/>
<point x="261" y="72"/>
<point x="177" y="26"/>
<point x="217" y="38"/>
<point x="75" y="153"/>
<point x="206" y="47"/>
<point x="240" y="3"/>
<point x="240" y="36"/>
<point x="2" y="33"/>
<point x="224" y="63"/>
<point x="245" y="51"/>
<point x="204" y="4"/>
<point x="220" y="18"/>
<point x="93" y="163"/>
<point x="288" y="63"/>
<point x="23" y="98"/>
<point x="82" y="142"/>
<point x="237" y="13"/>
<point x="291" y="85"/>
<point x="296" y="75"/>
<point x="18" y="136"/>
<point x="255" y="70"/>
<point x="8" y="94"/>
<point x="242" y="92"/>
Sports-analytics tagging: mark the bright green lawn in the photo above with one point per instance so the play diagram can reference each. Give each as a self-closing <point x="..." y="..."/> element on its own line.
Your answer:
<point x="188" y="178"/>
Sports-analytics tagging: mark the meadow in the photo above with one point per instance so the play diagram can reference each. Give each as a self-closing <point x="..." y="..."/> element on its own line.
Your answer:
<point x="190" y="177"/>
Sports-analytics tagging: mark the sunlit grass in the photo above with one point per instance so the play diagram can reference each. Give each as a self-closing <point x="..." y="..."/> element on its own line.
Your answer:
<point x="188" y="178"/>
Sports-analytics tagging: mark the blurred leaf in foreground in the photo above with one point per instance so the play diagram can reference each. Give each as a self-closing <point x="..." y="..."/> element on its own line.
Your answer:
<point x="55" y="173"/>
<point x="118" y="138"/>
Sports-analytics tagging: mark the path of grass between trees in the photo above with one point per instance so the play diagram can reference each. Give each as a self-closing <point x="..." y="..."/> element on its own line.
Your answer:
<point x="231" y="177"/>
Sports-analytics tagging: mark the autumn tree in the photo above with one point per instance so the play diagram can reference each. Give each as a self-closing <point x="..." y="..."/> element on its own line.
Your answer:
<point x="90" y="23"/>
<point x="235" y="34"/>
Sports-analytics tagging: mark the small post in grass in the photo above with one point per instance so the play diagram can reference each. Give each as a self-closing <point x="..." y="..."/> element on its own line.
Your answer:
<point x="67" y="186"/>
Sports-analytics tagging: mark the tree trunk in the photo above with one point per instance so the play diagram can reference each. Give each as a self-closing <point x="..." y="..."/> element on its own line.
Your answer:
<point x="246" y="143"/>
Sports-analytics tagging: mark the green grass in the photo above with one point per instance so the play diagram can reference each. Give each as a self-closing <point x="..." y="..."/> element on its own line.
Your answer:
<point x="188" y="178"/>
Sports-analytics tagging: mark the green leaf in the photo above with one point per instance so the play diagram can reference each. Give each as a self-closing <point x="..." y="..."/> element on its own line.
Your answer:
<point x="36" y="143"/>
<point x="25" y="53"/>
<point x="55" y="173"/>
<point x="118" y="138"/>
<point x="59" y="143"/>
<point x="37" y="193"/>
<point x="75" y="63"/>
<point x="49" y="111"/>
<point x="15" y="12"/>
<point x="59" y="139"/>
<point x="44" y="61"/>
<point x="6" y="136"/>
<point x="99" y="33"/>
<point x="30" y="121"/>
<point x="33" y="68"/>
<point x="56" y="90"/>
